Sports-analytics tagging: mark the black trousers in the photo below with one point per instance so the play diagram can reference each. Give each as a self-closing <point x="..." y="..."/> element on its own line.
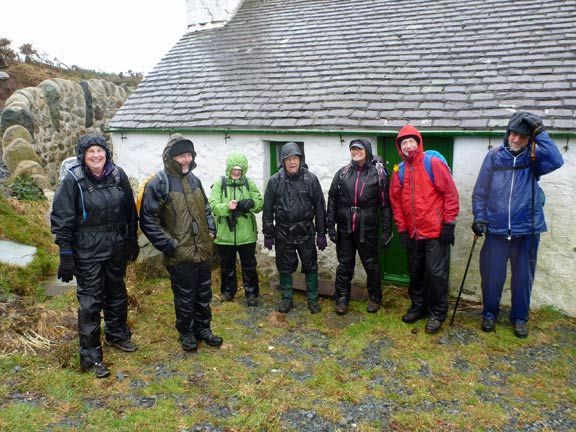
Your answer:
<point x="191" y="285"/>
<point x="428" y="265"/>
<point x="346" y="247"/>
<point x="287" y="256"/>
<point x="247" y="253"/>
<point x="100" y="289"/>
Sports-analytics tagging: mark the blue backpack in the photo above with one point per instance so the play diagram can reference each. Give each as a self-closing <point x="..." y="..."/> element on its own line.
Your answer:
<point x="428" y="155"/>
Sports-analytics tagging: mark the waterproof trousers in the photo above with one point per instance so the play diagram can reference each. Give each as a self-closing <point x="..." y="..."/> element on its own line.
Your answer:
<point x="191" y="285"/>
<point x="247" y="253"/>
<point x="100" y="289"/>
<point x="494" y="255"/>
<point x="428" y="265"/>
<point x="346" y="247"/>
<point x="287" y="256"/>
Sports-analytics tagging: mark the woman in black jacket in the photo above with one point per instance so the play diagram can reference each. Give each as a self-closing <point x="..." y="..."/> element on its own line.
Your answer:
<point x="95" y="223"/>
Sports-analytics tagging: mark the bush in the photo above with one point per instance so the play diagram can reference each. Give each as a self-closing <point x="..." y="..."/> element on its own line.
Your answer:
<point x="26" y="189"/>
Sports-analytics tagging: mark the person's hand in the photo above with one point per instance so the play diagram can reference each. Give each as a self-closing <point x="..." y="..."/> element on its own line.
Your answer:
<point x="232" y="205"/>
<point x="269" y="243"/>
<point x="321" y="242"/>
<point x="480" y="228"/>
<point x="66" y="267"/>
<point x="447" y="234"/>
<point x="132" y="249"/>
<point x="170" y="249"/>
<point x="333" y="235"/>
<point x="245" y="205"/>
<point x="404" y="238"/>
<point x="385" y="239"/>
<point x="534" y="122"/>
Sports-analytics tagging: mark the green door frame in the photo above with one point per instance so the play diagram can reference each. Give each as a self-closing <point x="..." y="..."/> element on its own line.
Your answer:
<point x="394" y="262"/>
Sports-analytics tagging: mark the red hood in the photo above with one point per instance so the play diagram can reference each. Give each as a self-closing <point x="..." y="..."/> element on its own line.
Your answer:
<point x="407" y="131"/>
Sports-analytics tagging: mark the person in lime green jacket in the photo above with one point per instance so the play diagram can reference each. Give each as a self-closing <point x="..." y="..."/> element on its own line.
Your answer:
<point x="234" y="200"/>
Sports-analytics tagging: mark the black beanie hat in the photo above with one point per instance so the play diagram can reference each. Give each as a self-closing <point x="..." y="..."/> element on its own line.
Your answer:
<point x="181" y="147"/>
<point x="402" y="138"/>
<point x="518" y="124"/>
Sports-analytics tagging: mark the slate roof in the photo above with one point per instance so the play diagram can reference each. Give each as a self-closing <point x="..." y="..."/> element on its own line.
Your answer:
<point x="367" y="65"/>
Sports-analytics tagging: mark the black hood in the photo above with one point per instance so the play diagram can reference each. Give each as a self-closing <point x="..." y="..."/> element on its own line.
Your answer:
<point x="87" y="141"/>
<point x="367" y="145"/>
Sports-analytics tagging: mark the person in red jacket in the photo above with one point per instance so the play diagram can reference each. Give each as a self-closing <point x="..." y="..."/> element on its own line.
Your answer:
<point x="425" y="206"/>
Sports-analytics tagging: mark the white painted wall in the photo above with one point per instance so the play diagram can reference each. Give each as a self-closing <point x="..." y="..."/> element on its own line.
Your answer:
<point x="141" y="154"/>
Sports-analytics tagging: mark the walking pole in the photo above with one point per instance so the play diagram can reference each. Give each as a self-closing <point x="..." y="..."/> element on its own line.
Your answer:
<point x="463" y="279"/>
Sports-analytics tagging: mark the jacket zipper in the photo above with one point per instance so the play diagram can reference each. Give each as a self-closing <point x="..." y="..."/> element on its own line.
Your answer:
<point x="412" y="193"/>
<point x="510" y="200"/>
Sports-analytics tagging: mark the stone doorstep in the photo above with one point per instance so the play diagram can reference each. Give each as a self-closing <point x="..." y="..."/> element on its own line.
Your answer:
<point x="326" y="288"/>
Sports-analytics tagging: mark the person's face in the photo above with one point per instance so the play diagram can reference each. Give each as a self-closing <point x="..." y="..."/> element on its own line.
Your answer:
<point x="517" y="141"/>
<point x="408" y="145"/>
<point x="95" y="159"/>
<point x="292" y="164"/>
<point x="236" y="173"/>
<point x="358" y="154"/>
<point x="185" y="159"/>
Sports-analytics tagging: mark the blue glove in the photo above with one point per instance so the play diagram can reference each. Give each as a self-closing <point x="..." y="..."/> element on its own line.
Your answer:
<point x="480" y="228"/>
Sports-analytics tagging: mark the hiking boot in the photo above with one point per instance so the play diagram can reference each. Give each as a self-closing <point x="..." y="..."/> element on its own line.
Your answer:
<point x="314" y="308"/>
<point x="341" y="309"/>
<point x="209" y="338"/>
<point x="488" y="325"/>
<point x="189" y="343"/>
<point x="285" y="306"/>
<point x="122" y="345"/>
<point x="251" y="301"/>
<point x="433" y="326"/>
<point x="413" y="316"/>
<point x="99" y="368"/>
<point x="373" y="307"/>
<point x="226" y="297"/>
<point x="520" y="329"/>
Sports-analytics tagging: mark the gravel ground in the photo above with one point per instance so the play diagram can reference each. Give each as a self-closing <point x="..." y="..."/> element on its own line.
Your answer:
<point x="385" y="377"/>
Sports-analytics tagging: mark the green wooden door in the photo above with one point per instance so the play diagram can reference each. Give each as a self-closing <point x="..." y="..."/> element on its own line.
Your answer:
<point x="394" y="263"/>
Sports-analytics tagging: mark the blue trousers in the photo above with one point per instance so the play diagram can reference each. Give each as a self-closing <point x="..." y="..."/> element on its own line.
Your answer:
<point x="494" y="256"/>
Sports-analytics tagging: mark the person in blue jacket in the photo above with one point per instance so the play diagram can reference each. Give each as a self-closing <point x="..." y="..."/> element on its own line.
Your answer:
<point x="508" y="206"/>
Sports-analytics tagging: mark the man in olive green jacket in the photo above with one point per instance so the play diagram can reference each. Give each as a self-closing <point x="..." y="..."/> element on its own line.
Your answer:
<point x="234" y="199"/>
<point x="175" y="216"/>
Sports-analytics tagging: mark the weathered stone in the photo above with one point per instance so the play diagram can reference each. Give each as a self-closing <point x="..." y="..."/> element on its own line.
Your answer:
<point x="42" y="181"/>
<point x="52" y="96"/>
<point x="19" y="150"/>
<point x="16" y="115"/>
<point x="4" y="75"/>
<point x="28" y="168"/>
<point x="16" y="131"/>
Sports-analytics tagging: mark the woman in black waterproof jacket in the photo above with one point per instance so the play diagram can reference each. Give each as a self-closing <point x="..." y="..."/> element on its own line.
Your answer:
<point x="95" y="223"/>
<point x="358" y="207"/>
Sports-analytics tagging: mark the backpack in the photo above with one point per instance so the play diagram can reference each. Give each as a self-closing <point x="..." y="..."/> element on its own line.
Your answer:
<point x="428" y="155"/>
<point x="382" y="174"/>
<point x="70" y="166"/>
<point x="164" y="183"/>
<point x="225" y="192"/>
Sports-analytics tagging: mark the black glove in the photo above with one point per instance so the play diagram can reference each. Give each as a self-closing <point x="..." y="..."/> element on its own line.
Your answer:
<point x="480" y="228"/>
<point x="534" y="122"/>
<point x="385" y="239"/>
<point x="66" y="267"/>
<point x="321" y="242"/>
<point x="447" y="234"/>
<point x="404" y="238"/>
<point x="170" y="249"/>
<point x="332" y="234"/>
<point x="232" y="220"/>
<point x="132" y="249"/>
<point x="245" y="205"/>
<point x="269" y="243"/>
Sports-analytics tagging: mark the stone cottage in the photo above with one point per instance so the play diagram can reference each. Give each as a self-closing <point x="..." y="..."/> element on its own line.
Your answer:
<point x="251" y="75"/>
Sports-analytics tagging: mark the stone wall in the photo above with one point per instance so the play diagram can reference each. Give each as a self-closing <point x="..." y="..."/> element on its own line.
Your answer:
<point x="40" y="125"/>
